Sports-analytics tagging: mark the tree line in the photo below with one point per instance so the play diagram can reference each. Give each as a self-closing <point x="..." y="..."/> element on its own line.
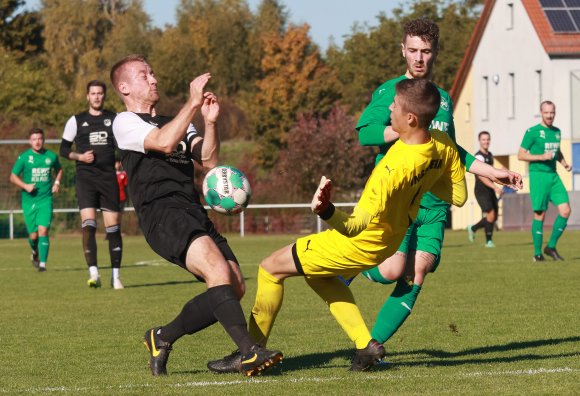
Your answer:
<point x="288" y="110"/>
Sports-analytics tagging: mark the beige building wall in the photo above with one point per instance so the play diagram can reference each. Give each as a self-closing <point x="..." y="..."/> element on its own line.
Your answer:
<point x="501" y="94"/>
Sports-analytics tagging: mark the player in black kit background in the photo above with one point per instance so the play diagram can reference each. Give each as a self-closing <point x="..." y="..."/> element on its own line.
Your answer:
<point x="486" y="194"/>
<point x="96" y="182"/>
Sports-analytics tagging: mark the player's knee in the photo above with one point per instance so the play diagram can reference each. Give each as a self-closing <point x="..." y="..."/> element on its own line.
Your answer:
<point x="539" y="215"/>
<point x="374" y="274"/>
<point x="92" y="223"/>
<point x="565" y="211"/>
<point x="114" y="234"/>
<point x="42" y="231"/>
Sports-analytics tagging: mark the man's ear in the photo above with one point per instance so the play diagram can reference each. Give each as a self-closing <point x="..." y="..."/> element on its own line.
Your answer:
<point x="403" y="49"/>
<point x="123" y="88"/>
<point x="412" y="120"/>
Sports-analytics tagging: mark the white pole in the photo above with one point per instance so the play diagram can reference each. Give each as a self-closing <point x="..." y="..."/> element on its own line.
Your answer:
<point x="11" y="225"/>
<point x="242" y="218"/>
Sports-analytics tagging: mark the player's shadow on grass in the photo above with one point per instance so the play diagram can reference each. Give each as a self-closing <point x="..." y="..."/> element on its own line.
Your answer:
<point x="444" y="358"/>
<point x="170" y="283"/>
<point x="318" y="360"/>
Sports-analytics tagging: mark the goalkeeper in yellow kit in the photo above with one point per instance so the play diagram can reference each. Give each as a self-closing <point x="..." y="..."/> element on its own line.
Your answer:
<point x="420" y="161"/>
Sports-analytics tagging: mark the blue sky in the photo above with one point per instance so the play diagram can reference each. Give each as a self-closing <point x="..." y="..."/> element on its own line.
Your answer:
<point x="325" y="17"/>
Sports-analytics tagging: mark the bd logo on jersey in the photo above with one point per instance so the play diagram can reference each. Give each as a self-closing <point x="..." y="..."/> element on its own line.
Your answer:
<point x="30" y="159"/>
<point x="558" y="136"/>
<point x="107" y="122"/>
<point x="47" y="161"/>
<point x="98" y="138"/>
<point x="444" y="104"/>
<point x="542" y="134"/>
<point x="179" y="156"/>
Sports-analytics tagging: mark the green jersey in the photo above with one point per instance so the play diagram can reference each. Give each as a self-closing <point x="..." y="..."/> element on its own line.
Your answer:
<point x="377" y="116"/>
<point x="541" y="139"/>
<point x="33" y="167"/>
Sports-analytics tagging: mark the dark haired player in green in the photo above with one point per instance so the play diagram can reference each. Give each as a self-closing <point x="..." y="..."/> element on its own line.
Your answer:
<point x="420" y="251"/>
<point x="33" y="173"/>
<point x="541" y="148"/>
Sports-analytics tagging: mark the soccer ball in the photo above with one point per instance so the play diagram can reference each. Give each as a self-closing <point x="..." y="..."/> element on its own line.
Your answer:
<point x="226" y="190"/>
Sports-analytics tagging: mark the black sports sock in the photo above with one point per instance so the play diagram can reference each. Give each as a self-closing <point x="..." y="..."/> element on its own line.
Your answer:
<point x="227" y="309"/>
<point x="89" y="228"/>
<point x="196" y="315"/>
<point x="115" y="245"/>
<point x="480" y="224"/>
<point x="488" y="231"/>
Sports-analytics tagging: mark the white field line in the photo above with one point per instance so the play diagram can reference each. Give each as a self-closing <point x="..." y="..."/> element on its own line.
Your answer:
<point x="146" y="263"/>
<point x="262" y="380"/>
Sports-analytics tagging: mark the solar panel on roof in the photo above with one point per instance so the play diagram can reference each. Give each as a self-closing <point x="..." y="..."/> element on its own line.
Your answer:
<point x="576" y="17"/>
<point x="563" y="15"/>
<point x="551" y="3"/>
<point x="560" y="21"/>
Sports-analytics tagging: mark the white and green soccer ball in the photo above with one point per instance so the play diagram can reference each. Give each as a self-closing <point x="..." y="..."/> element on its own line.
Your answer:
<point x="226" y="190"/>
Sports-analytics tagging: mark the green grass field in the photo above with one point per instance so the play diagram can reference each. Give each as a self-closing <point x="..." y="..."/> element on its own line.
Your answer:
<point x="488" y="321"/>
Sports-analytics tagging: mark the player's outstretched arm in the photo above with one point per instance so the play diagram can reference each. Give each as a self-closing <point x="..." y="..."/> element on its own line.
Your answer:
<point x="504" y="177"/>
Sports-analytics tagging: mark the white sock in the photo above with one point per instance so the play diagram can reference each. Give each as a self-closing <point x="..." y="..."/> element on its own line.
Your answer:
<point x="116" y="273"/>
<point x="93" y="271"/>
<point x="42" y="264"/>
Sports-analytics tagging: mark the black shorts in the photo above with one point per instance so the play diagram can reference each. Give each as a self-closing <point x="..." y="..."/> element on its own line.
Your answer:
<point x="171" y="224"/>
<point x="486" y="199"/>
<point x="101" y="192"/>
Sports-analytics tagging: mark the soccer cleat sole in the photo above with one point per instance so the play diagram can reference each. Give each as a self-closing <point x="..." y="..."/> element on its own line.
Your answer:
<point x="264" y="366"/>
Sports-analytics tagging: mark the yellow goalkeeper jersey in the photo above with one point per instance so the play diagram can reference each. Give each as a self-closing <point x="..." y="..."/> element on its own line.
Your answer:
<point x="389" y="203"/>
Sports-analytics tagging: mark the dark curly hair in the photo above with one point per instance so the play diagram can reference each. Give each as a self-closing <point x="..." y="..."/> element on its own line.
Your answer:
<point x="424" y="28"/>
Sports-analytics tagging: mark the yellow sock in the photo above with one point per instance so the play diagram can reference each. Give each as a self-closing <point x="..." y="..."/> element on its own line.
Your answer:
<point x="269" y="298"/>
<point x="342" y="306"/>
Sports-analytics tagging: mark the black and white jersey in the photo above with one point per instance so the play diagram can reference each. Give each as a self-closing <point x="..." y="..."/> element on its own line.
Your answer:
<point x="89" y="132"/>
<point x="488" y="159"/>
<point x="153" y="175"/>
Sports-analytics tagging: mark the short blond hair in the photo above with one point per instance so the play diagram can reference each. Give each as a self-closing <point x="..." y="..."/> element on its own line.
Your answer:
<point x="117" y="68"/>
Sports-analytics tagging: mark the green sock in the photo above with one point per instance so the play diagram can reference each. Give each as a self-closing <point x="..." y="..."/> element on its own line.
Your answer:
<point x="375" y="275"/>
<point x="43" y="246"/>
<point x="33" y="244"/>
<point x="537" y="236"/>
<point x="395" y="310"/>
<point x="557" y="231"/>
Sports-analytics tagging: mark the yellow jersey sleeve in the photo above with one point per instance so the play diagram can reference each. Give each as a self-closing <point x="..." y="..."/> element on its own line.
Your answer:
<point x="371" y="204"/>
<point x="451" y="186"/>
<point x="350" y="225"/>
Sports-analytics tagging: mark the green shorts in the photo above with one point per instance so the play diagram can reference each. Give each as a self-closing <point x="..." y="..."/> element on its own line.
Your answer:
<point x="426" y="234"/>
<point x="546" y="187"/>
<point x="36" y="214"/>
